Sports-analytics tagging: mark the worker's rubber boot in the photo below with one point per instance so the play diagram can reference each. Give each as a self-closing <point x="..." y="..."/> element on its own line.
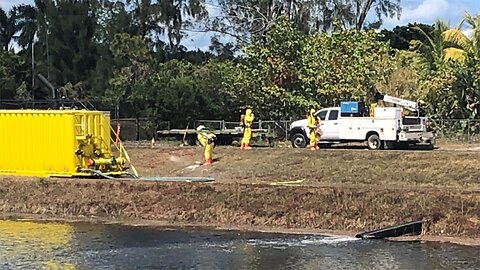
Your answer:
<point x="208" y="161"/>
<point x="317" y="147"/>
<point x="313" y="148"/>
<point x="247" y="147"/>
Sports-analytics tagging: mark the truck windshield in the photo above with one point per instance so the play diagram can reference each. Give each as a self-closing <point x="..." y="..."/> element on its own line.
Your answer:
<point x="322" y="115"/>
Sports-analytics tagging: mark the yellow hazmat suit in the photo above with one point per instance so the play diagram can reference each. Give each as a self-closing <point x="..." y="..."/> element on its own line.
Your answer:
<point x="247" y="129"/>
<point x="372" y="109"/>
<point x="313" y="123"/>
<point x="207" y="140"/>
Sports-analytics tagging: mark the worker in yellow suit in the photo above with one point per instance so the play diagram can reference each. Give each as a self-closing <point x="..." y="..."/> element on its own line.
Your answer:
<point x="313" y="124"/>
<point x="247" y="121"/>
<point x="373" y="105"/>
<point x="207" y="140"/>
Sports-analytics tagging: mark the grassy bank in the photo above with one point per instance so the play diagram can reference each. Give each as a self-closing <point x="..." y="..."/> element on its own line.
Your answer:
<point x="325" y="168"/>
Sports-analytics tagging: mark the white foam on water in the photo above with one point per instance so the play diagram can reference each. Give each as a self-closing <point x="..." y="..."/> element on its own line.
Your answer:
<point x="307" y="241"/>
<point x="271" y="242"/>
<point x="219" y="245"/>
<point x="329" y="240"/>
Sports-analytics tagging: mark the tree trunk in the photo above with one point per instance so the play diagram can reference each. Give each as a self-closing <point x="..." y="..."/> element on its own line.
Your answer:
<point x="363" y="14"/>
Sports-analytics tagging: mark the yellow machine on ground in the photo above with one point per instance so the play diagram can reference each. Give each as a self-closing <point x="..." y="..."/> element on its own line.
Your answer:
<point x="62" y="143"/>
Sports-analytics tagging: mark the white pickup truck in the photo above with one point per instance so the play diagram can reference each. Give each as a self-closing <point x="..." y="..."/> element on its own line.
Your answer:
<point x="386" y="130"/>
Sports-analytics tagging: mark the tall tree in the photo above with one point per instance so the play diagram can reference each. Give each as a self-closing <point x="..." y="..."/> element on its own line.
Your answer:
<point x="382" y="8"/>
<point x="247" y="19"/>
<point x="70" y="26"/>
<point x="400" y="37"/>
<point x="8" y="27"/>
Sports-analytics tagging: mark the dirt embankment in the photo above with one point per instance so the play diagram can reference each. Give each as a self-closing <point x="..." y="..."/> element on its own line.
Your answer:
<point x="450" y="212"/>
<point x="340" y="190"/>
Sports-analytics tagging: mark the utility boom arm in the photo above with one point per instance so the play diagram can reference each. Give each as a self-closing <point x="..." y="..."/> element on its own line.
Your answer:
<point x="411" y="105"/>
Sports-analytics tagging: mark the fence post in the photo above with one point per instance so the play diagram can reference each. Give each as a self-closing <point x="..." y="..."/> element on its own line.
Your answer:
<point x="468" y="132"/>
<point x="137" y="129"/>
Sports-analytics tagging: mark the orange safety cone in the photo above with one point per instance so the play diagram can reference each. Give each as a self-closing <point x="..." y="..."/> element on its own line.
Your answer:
<point x="152" y="143"/>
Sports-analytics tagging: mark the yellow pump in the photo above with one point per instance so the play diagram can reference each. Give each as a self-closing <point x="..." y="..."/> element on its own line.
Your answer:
<point x="63" y="143"/>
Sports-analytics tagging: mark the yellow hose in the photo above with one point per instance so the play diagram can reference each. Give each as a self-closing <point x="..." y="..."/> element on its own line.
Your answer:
<point x="122" y="150"/>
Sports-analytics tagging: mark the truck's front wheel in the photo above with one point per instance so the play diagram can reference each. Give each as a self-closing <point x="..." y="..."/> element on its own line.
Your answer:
<point x="299" y="141"/>
<point x="374" y="142"/>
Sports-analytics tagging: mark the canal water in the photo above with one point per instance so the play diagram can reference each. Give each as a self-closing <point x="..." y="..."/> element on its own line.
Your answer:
<point x="51" y="245"/>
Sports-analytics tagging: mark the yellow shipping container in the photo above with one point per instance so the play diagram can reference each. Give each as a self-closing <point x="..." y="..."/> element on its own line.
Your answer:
<point x="61" y="143"/>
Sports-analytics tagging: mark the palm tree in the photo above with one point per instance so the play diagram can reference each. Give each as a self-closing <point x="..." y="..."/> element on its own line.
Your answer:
<point x="457" y="46"/>
<point x="27" y="25"/>
<point x="432" y="48"/>
<point x="8" y="27"/>
<point x="447" y="44"/>
<point x="474" y="41"/>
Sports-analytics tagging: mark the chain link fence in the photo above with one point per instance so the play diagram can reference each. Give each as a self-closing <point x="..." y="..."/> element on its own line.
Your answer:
<point x="457" y="130"/>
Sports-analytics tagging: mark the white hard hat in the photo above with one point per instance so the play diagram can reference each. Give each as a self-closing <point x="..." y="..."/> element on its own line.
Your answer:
<point x="199" y="128"/>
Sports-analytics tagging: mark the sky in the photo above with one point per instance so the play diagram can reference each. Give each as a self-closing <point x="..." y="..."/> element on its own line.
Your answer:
<point x="422" y="11"/>
<point x="428" y="11"/>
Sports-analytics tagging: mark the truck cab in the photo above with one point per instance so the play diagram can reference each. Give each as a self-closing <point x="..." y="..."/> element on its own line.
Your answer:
<point x="298" y="133"/>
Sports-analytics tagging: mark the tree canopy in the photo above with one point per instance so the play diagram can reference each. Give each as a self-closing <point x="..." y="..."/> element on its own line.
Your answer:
<point x="280" y="57"/>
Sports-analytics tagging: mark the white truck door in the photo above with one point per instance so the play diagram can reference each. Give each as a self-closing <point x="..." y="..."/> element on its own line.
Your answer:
<point x="322" y="114"/>
<point x="330" y="126"/>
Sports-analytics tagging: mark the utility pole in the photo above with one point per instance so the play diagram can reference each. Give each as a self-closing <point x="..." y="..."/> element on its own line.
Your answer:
<point x="33" y="63"/>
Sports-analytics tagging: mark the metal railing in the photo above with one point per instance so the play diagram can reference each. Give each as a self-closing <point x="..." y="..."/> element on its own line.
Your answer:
<point x="280" y="127"/>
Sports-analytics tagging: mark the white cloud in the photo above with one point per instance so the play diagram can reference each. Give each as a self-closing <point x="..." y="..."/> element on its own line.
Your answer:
<point x="468" y="33"/>
<point x="427" y="12"/>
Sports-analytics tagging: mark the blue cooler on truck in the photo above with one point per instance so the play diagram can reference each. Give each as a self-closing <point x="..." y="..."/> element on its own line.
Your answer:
<point x="349" y="108"/>
<point x="352" y="109"/>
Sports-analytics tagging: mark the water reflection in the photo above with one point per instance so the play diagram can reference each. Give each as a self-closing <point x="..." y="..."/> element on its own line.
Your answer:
<point x="32" y="245"/>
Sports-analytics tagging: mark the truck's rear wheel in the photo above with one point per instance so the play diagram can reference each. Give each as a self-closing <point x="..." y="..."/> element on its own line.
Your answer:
<point x="299" y="141"/>
<point x="374" y="142"/>
<point x="431" y="145"/>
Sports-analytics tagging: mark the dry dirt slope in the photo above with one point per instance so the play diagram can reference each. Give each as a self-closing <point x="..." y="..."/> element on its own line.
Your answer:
<point x="449" y="212"/>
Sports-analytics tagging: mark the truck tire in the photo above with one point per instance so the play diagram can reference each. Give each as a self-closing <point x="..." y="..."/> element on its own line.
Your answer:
<point x="431" y="146"/>
<point x="298" y="141"/>
<point x="374" y="142"/>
